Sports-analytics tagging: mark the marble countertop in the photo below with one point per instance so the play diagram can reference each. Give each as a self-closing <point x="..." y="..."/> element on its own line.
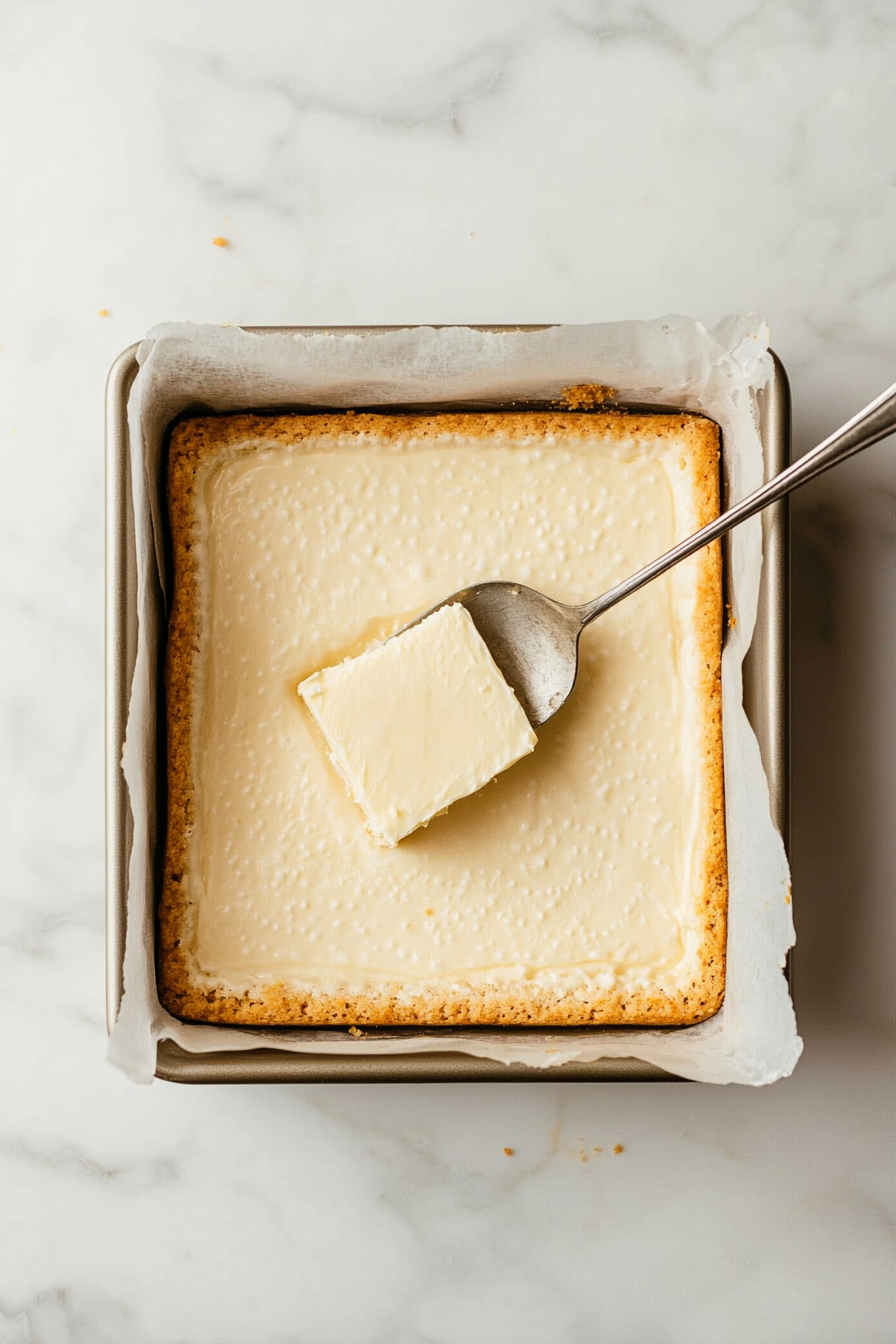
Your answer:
<point x="389" y="162"/>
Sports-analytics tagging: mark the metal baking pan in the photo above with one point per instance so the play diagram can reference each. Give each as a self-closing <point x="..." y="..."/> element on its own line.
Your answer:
<point x="766" y="697"/>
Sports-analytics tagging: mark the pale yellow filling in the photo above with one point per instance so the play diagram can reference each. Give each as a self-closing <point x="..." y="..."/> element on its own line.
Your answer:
<point x="418" y="722"/>
<point x="573" y="866"/>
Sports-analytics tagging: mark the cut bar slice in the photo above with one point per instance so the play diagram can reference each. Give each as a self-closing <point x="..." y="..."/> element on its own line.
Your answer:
<point x="418" y="722"/>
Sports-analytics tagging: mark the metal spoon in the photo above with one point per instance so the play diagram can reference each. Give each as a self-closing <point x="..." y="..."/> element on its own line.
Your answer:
<point x="535" y="640"/>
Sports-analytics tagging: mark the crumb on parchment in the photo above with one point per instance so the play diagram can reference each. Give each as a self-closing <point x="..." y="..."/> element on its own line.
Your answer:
<point x="618" y="1148"/>
<point x="353" y="1031"/>
<point x="508" y="1152"/>
<point x="585" y="396"/>
<point x="220" y="242"/>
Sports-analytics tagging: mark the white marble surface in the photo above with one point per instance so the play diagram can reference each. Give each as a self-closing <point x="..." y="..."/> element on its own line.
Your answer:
<point x="389" y="162"/>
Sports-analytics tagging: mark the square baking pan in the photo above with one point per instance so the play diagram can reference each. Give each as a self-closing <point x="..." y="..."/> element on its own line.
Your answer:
<point x="766" y="699"/>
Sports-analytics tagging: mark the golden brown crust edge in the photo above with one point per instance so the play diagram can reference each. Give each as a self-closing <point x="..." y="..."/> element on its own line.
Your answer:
<point x="194" y="441"/>
<point x="713" y="860"/>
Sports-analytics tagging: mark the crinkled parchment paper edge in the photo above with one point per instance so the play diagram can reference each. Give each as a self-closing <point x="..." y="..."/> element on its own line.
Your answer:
<point x="672" y="361"/>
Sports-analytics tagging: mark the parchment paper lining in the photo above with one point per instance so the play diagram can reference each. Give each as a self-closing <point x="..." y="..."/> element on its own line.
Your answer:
<point x="674" y="361"/>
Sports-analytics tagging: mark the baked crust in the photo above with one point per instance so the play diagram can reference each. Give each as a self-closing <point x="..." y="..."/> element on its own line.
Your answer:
<point x="188" y="994"/>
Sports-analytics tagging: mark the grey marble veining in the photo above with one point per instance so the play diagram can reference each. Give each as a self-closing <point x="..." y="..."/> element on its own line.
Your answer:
<point x="389" y="162"/>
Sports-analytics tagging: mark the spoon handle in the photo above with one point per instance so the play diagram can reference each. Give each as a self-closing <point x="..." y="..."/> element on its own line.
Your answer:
<point x="875" y="422"/>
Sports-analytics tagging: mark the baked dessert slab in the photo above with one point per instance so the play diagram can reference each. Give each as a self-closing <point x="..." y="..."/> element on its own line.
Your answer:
<point x="588" y="885"/>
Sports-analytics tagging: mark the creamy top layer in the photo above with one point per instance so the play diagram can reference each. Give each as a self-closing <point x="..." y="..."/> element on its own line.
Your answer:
<point x="574" y="864"/>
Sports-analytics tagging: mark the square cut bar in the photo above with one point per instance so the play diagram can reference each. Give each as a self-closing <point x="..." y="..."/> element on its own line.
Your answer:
<point x="418" y="722"/>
